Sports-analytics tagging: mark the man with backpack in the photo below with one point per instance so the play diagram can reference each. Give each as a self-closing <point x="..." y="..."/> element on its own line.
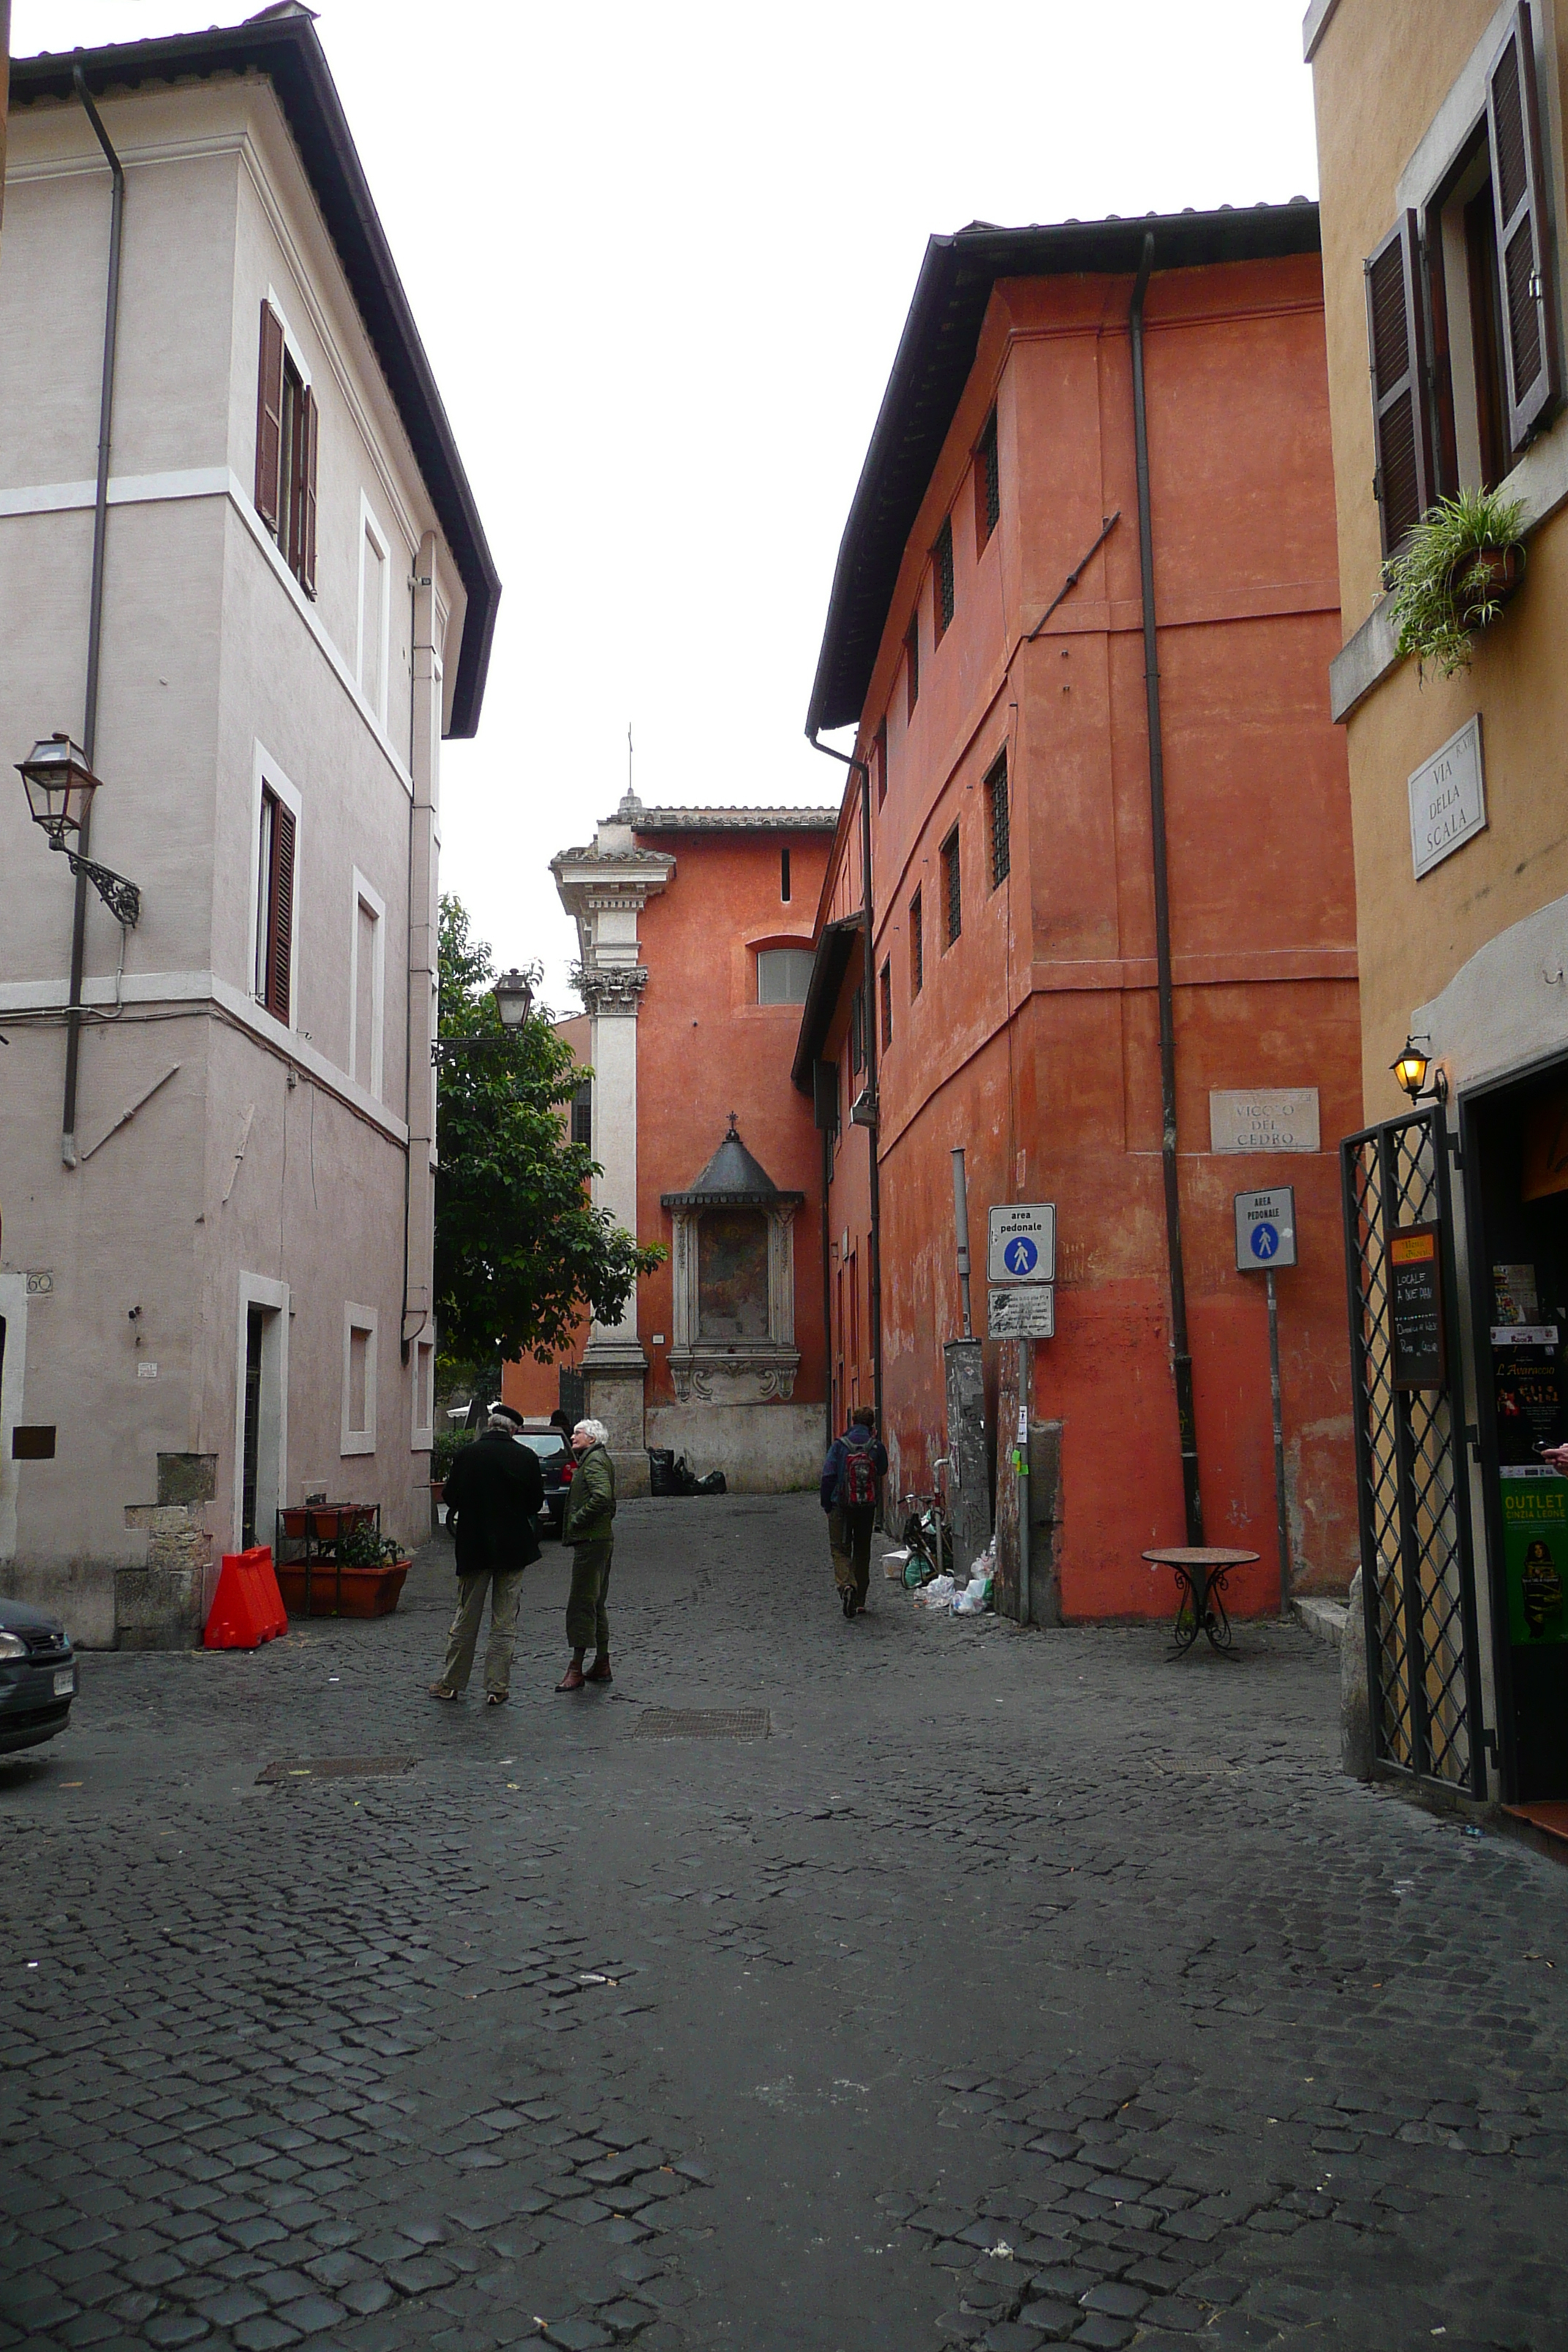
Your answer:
<point x="851" y="1487"/>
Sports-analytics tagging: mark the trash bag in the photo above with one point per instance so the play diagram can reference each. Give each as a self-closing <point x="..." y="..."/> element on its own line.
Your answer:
<point x="660" y="1470"/>
<point x="937" y="1594"/>
<point x="682" y="1478"/>
<point x="974" y="1598"/>
<point x="715" y="1484"/>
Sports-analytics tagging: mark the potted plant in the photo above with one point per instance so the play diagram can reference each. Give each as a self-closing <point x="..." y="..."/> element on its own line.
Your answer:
<point x="363" y="1576"/>
<point x="1453" y="576"/>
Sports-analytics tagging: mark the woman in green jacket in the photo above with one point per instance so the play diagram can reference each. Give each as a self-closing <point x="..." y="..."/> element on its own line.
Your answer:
<point x="588" y="1526"/>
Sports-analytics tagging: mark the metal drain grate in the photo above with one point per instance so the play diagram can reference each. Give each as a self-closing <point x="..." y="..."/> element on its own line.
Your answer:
<point x="703" y="1723"/>
<point x="336" y="1768"/>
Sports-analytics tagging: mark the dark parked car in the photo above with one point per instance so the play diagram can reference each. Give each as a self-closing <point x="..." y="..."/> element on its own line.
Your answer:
<point x="556" y="1463"/>
<point x="37" y="1676"/>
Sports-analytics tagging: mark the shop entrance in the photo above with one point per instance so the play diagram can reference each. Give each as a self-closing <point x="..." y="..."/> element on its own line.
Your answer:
<point x="1514" y="1142"/>
<point x="1417" y="1574"/>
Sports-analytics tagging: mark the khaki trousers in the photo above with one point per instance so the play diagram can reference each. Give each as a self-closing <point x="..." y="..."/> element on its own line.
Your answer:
<point x="505" y="1590"/>
<point x="587" y="1620"/>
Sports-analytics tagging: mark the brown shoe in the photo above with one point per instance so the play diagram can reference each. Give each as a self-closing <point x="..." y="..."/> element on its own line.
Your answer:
<point x="439" y="1690"/>
<point x="573" y="1679"/>
<point x="599" y="1671"/>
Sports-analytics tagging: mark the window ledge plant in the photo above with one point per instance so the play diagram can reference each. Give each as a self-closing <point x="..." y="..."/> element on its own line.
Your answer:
<point x="1453" y="576"/>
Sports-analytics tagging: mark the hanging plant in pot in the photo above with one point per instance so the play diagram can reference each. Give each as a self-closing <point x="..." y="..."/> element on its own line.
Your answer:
<point x="1453" y="576"/>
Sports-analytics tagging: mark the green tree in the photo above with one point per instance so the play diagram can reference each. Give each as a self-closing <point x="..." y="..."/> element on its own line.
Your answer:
<point x="519" y="1248"/>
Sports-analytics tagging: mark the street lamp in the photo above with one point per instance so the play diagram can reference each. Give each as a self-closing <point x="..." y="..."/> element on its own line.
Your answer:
<point x="1410" y="1068"/>
<point x="514" y="993"/>
<point x="59" y="786"/>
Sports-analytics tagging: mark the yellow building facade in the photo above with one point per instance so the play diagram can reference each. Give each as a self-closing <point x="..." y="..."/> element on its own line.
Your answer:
<point x="1441" y="143"/>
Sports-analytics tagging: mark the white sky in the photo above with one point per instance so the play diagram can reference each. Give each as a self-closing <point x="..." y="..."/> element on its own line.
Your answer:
<point x="660" y="258"/>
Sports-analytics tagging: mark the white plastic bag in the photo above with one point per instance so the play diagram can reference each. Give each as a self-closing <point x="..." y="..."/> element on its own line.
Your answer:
<point x="937" y="1594"/>
<point x="976" y="1596"/>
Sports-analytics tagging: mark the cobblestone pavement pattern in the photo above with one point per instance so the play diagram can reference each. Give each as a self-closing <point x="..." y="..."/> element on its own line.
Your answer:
<point x="1018" y="1990"/>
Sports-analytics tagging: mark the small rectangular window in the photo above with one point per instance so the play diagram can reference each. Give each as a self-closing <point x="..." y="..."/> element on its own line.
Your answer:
<point x="880" y="757"/>
<point x="917" y="947"/>
<point x="373" y="620"/>
<point x="364" y="1047"/>
<point x="951" y="888"/>
<point x="358" y="1431"/>
<point x="275" y="908"/>
<point x="784" y="975"/>
<point x="996" y="818"/>
<point x="583" y="1115"/>
<point x="987" y="484"/>
<point x="286" y="421"/>
<point x="912" y="662"/>
<point x="783" y="873"/>
<point x="941" y="557"/>
<point x="887" y="996"/>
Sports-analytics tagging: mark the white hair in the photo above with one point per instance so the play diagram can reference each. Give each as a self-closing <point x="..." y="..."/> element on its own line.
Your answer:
<point x="502" y="1420"/>
<point x="596" y="1431"/>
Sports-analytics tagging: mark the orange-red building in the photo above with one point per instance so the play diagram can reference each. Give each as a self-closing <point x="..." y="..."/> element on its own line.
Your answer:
<point x="695" y="928"/>
<point x="986" y="639"/>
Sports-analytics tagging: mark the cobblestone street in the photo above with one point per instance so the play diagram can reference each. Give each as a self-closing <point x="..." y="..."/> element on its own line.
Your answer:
<point x="1016" y="1989"/>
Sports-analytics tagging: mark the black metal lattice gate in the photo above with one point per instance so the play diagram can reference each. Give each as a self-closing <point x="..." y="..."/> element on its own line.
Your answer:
<point x="1417" y="1567"/>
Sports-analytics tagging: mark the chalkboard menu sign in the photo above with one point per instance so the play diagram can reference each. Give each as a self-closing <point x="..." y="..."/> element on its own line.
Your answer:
<point x="1415" y="1301"/>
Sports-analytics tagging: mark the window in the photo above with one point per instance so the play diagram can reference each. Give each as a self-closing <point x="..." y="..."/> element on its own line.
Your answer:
<point x="275" y="907"/>
<point x="887" y="994"/>
<point x="857" y="1033"/>
<point x="373" y="617"/>
<point x="783" y="873"/>
<point x="358" y="1434"/>
<point x="285" y="438"/>
<point x="941" y="558"/>
<point x="987" y="484"/>
<point x="784" y="975"/>
<point x="1466" y="279"/>
<point x="917" y="947"/>
<point x="913" y="659"/>
<point x="880" y="761"/>
<point x="424" y="1429"/>
<point x="368" y="985"/>
<point x="996" y="820"/>
<point x="583" y="1115"/>
<point x="951" y="888"/>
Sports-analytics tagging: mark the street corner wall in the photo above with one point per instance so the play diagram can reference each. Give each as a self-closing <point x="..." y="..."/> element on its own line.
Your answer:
<point x="763" y="1449"/>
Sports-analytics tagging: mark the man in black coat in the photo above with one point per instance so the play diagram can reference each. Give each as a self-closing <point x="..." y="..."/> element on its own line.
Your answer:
<point x="495" y="1491"/>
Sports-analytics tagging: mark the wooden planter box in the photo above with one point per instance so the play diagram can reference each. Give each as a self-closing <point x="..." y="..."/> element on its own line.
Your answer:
<point x="365" y="1592"/>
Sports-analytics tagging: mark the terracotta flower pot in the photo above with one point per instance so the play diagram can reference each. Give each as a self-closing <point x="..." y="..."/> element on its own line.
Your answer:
<point x="328" y="1521"/>
<point x="341" y="1591"/>
<point x="1501" y="569"/>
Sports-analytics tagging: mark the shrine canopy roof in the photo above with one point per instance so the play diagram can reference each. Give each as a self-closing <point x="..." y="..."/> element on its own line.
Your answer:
<point x="733" y="1180"/>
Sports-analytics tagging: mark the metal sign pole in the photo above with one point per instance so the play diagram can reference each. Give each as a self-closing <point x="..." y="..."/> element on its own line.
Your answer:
<point x="1279" y="1445"/>
<point x="1026" y="1396"/>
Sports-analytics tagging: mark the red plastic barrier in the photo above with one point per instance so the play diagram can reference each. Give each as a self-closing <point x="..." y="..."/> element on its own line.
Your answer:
<point x="247" y="1607"/>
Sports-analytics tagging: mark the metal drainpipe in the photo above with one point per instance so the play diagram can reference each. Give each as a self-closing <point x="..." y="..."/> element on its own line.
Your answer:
<point x="1180" y="1356"/>
<point x="828" y="1287"/>
<point x="860" y="768"/>
<point x="94" y="611"/>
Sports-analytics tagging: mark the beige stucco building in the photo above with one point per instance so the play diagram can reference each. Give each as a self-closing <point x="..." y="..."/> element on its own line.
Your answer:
<point x="216" y="1271"/>
<point x="1441" y="134"/>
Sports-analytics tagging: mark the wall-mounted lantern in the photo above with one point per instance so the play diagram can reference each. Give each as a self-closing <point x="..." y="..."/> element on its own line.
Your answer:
<point x="59" y="785"/>
<point x="1410" y="1068"/>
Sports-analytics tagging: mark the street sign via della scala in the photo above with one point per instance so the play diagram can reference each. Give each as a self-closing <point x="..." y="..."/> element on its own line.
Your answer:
<point x="1021" y="1244"/>
<point x="1266" y="1229"/>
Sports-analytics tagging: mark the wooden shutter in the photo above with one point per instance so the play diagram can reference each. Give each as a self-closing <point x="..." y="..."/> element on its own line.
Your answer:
<point x="269" y="419"/>
<point x="1395" y="337"/>
<point x="309" y="416"/>
<point x="1530" y="326"/>
<point x="280" y="912"/>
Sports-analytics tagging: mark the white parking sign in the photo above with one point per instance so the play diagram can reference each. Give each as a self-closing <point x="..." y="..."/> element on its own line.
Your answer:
<point x="1022" y="1242"/>
<point x="1266" y="1229"/>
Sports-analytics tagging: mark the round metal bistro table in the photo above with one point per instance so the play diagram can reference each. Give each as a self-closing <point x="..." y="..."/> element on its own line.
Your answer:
<point x="1201" y="1570"/>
